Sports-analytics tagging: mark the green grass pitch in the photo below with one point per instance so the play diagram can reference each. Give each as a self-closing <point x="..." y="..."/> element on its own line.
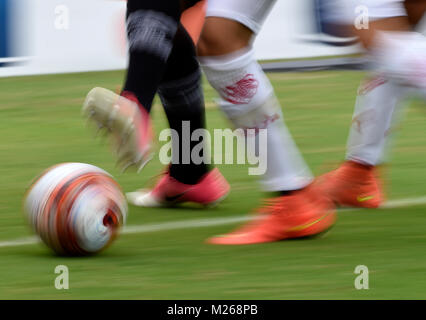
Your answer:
<point x="41" y="125"/>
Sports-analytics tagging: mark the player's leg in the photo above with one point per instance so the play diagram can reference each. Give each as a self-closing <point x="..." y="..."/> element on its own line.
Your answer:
<point x="377" y="109"/>
<point x="187" y="180"/>
<point x="151" y="27"/>
<point x="247" y="96"/>
<point x="182" y="96"/>
<point x="161" y="56"/>
<point x="356" y="182"/>
<point x="248" y="100"/>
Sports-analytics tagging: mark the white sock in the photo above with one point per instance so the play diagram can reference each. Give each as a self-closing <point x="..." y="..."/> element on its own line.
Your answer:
<point x="401" y="56"/>
<point x="248" y="100"/>
<point x="377" y="110"/>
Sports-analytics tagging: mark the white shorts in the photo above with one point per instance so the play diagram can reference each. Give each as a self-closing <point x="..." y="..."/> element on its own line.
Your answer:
<point x="348" y="11"/>
<point x="251" y="13"/>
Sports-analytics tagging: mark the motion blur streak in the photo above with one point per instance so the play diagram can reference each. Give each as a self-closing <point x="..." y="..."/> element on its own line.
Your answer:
<point x="200" y="223"/>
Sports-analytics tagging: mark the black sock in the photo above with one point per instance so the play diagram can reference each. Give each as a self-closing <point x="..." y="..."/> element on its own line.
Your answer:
<point x="182" y="97"/>
<point x="151" y="28"/>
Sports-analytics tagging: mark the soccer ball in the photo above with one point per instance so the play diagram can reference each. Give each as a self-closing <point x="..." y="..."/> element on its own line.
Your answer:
<point x="76" y="208"/>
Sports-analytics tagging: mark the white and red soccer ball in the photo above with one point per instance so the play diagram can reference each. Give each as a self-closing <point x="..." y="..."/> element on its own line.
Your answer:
<point x="76" y="208"/>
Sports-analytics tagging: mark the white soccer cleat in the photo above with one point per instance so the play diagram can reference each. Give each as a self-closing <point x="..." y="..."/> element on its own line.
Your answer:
<point x="129" y="125"/>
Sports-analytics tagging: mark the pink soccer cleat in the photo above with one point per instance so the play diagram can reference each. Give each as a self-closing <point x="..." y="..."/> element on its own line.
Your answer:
<point x="210" y="190"/>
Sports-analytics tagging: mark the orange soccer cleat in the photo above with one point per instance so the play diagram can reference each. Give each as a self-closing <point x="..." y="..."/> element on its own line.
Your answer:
<point x="210" y="190"/>
<point x="302" y="214"/>
<point x="353" y="185"/>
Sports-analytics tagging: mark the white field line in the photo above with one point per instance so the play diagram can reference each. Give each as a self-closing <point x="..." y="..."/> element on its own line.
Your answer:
<point x="19" y="242"/>
<point x="209" y="222"/>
